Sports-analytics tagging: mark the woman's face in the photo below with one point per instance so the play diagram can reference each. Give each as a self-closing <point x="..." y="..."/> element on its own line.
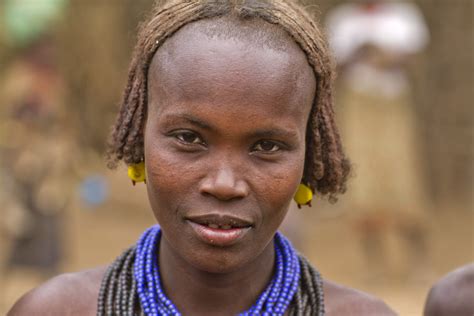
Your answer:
<point x="224" y="144"/>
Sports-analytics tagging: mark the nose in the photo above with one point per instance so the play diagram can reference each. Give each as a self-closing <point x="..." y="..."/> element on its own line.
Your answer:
<point x="224" y="185"/>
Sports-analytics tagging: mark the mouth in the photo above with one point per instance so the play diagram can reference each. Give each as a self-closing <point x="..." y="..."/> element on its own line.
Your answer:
<point x="219" y="230"/>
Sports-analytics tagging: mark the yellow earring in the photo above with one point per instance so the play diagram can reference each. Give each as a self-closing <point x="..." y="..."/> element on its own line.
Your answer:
<point x="136" y="172"/>
<point x="303" y="195"/>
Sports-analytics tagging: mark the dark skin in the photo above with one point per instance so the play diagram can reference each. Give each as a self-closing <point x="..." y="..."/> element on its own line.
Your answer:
<point x="453" y="294"/>
<point x="218" y="145"/>
<point x="77" y="293"/>
<point x="225" y="135"/>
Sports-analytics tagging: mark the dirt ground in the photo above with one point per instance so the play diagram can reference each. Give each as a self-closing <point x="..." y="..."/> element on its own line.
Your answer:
<point x="95" y="236"/>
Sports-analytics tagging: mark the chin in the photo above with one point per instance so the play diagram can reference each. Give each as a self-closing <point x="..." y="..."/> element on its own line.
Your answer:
<point x="218" y="260"/>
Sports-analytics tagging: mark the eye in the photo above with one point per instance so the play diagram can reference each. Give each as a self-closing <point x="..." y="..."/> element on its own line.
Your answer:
<point x="267" y="146"/>
<point x="188" y="137"/>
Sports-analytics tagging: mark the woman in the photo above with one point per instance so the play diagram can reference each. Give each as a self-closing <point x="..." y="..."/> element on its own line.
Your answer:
<point x="227" y="110"/>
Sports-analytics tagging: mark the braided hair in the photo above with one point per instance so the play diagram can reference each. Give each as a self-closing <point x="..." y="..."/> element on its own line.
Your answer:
<point x="118" y="292"/>
<point x="326" y="166"/>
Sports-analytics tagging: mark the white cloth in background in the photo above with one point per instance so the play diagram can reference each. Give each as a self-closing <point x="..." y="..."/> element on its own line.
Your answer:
<point x="377" y="122"/>
<point x="393" y="26"/>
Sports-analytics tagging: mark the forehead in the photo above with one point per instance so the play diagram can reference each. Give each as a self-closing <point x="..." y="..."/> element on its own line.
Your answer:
<point x="232" y="61"/>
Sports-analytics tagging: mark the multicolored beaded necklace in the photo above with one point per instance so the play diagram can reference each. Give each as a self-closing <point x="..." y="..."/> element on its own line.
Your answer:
<point x="273" y="301"/>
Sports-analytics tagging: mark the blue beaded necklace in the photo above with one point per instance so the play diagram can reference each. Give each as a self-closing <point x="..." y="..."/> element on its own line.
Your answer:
<point x="274" y="300"/>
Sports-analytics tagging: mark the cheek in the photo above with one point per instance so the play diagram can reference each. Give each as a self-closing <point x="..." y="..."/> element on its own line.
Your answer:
<point x="166" y="181"/>
<point x="163" y="174"/>
<point x="277" y="187"/>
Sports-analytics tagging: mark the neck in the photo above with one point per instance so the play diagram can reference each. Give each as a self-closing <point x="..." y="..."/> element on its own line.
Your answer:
<point x="198" y="292"/>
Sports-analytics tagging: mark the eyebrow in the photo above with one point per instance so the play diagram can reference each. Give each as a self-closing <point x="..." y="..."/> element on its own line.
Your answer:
<point x="274" y="132"/>
<point x="271" y="132"/>
<point x="189" y="119"/>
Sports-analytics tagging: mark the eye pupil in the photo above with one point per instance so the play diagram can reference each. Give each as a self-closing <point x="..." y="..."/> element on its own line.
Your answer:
<point x="189" y="137"/>
<point x="267" y="146"/>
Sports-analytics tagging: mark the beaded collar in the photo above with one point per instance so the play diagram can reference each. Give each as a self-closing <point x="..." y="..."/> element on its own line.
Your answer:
<point x="274" y="300"/>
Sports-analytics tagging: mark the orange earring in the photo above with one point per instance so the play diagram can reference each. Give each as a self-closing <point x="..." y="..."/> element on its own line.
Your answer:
<point x="136" y="172"/>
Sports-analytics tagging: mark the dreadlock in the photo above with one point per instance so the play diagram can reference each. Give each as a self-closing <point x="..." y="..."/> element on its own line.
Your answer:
<point x="326" y="166"/>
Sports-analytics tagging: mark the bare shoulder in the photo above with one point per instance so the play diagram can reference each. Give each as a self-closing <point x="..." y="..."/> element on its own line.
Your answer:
<point x="66" y="294"/>
<point x="341" y="300"/>
<point x="452" y="294"/>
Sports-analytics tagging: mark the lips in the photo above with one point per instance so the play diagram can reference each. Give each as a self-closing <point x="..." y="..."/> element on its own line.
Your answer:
<point x="219" y="230"/>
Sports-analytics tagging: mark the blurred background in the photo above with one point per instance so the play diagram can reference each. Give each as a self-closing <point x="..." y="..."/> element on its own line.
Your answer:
<point x="404" y="105"/>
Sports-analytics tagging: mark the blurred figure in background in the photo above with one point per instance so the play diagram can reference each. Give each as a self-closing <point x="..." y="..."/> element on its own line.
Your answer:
<point x="34" y="159"/>
<point x="453" y="294"/>
<point x="35" y="147"/>
<point x="374" y="41"/>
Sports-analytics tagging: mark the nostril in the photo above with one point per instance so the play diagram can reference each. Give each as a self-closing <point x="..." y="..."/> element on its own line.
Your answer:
<point x="224" y="185"/>
<point x="223" y="195"/>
